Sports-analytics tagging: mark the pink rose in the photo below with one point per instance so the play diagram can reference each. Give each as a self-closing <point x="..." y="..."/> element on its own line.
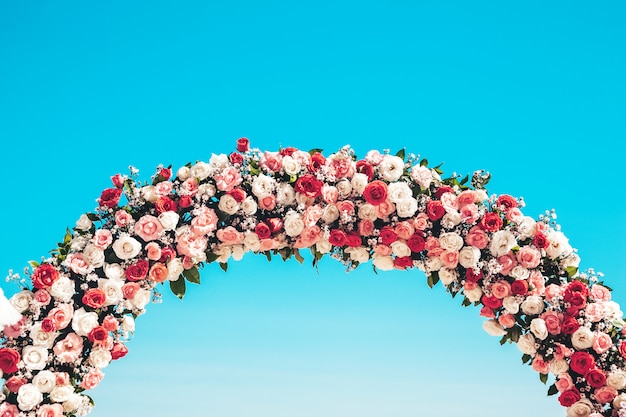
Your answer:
<point x="77" y="263"/>
<point x="330" y="194"/>
<point x="92" y="379"/>
<point x="16" y="329"/>
<point x="148" y="228"/>
<point x="268" y="202"/>
<point x="477" y="237"/>
<point x="540" y="365"/>
<point x="189" y="187"/>
<point x="507" y="262"/>
<point x="14" y="383"/>
<point x="366" y="227"/>
<point x="600" y="293"/>
<point x="385" y="209"/>
<point x="553" y="321"/>
<point x="382" y="250"/>
<point x="9" y="410"/>
<point x="191" y="245"/>
<point x="309" y="236"/>
<point x="449" y="258"/>
<point x="528" y="257"/>
<point x="61" y="316"/>
<point x="62" y="378"/>
<point x="448" y="200"/>
<point x="487" y="312"/>
<point x="466" y="197"/>
<point x="130" y="289"/>
<point x="342" y="167"/>
<point x="553" y="291"/>
<point x="421" y="221"/>
<point x="123" y="218"/>
<point x="564" y="382"/>
<point x="506" y="320"/>
<point x="69" y="349"/>
<point x="119" y="350"/>
<point x="163" y="188"/>
<point x="404" y="230"/>
<point x="271" y="161"/>
<point x="605" y="394"/>
<point x="117" y="180"/>
<point x="110" y="323"/>
<point x="230" y="236"/>
<point x="469" y="213"/>
<point x="42" y="297"/>
<point x="228" y="179"/>
<point x="595" y="311"/>
<point x="268" y="244"/>
<point x="602" y="342"/>
<point x="514" y="215"/>
<point x="346" y="206"/>
<point x="102" y="239"/>
<point x="49" y="410"/>
<point x="154" y="251"/>
<point x="501" y="289"/>
<point x="204" y="222"/>
<point x="561" y="351"/>
<point x="432" y="246"/>
<point x="538" y="282"/>
<point x="312" y="214"/>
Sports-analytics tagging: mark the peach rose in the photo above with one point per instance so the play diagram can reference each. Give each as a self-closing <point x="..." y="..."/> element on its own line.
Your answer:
<point x="230" y="236"/>
<point x="158" y="272"/>
<point x="148" y="228"/>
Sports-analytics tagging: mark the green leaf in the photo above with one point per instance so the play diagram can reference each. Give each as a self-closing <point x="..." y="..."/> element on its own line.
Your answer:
<point x="315" y="150"/>
<point x="571" y="271"/>
<point x="504" y="339"/>
<point x="224" y="266"/>
<point x="424" y="162"/>
<point x="514" y="333"/>
<point x="268" y="255"/>
<point x="33" y="264"/>
<point x="543" y="378"/>
<point x="211" y="257"/>
<point x="433" y="279"/>
<point x="192" y="275"/>
<point x="526" y="358"/>
<point x="552" y="390"/>
<point x="298" y="257"/>
<point x="401" y="153"/>
<point x="178" y="287"/>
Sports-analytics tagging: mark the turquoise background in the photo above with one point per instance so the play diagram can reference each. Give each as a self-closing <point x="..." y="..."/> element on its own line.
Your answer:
<point x="532" y="91"/>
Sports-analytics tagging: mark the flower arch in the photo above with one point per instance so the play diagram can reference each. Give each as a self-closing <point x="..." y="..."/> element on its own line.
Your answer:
<point x="77" y="308"/>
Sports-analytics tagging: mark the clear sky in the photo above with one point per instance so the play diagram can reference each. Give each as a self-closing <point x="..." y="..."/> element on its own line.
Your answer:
<point x="532" y="91"/>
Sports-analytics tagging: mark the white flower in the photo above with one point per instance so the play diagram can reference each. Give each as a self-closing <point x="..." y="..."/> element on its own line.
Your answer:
<point x="448" y="275"/>
<point x="407" y="207"/>
<point x="237" y="252"/>
<point x="331" y="213"/>
<point x="382" y="262"/>
<point x="128" y="324"/>
<point x="581" y="408"/>
<point x="83" y="322"/>
<point x="469" y="257"/>
<point x="83" y="223"/>
<point x="502" y="242"/>
<point x="399" y="191"/>
<point x="249" y="206"/>
<point x="519" y="272"/>
<point x="532" y="305"/>
<point x="63" y="289"/>
<point x="293" y="223"/>
<point x="323" y="246"/>
<point x="510" y="304"/>
<point x="616" y="379"/>
<point x="358" y="254"/>
<point x="451" y="241"/>
<point x="22" y="300"/>
<point x="45" y="381"/>
<point x="126" y="247"/>
<point x="74" y="402"/>
<point x="432" y="264"/>
<point x="527" y="227"/>
<point x="400" y="249"/>
<point x="148" y="193"/>
<point x="228" y="204"/>
<point x="474" y="294"/>
<point x="391" y="168"/>
<point x="112" y="289"/>
<point x="200" y="170"/>
<point x="113" y="271"/>
<point x="252" y="242"/>
<point x="359" y="182"/>
<point x="285" y="194"/>
<point x="559" y="245"/>
<point x="290" y="165"/>
<point x="223" y="252"/>
<point x="41" y="338"/>
<point x="28" y="397"/>
<point x="571" y="260"/>
<point x="612" y="311"/>
<point x="206" y="190"/>
<point x="174" y="269"/>
<point x="141" y="299"/>
<point x="451" y="219"/>
<point x="344" y="187"/>
<point x="558" y="367"/>
<point x="620" y="401"/>
<point x="366" y="211"/>
<point x="262" y="186"/>
<point x="169" y="219"/>
<point x="100" y="357"/>
<point x="539" y="329"/>
<point x="582" y="338"/>
<point x="421" y="175"/>
<point x="183" y="173"/>
<point x="526" y="343"/>
<point x="61" y="393"/>
<point x="217" y="163"/>
<point x="93" y="255"/>
<point x="35" y="357"/>
<point x="493" y="328"/>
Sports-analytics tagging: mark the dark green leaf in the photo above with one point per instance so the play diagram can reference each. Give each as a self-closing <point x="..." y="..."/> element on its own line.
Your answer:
<point x="211" y="257"/>
<point x="224" y="266"/>
<point x="552" y="390"/>
<point x="401" y="153"/>
<point x="178" y="287"/>
<point x="192" y="275"/>
<point x="433" y="279"/>
<point x="526" y="358"/>
<point x="315" y="150"/>
<point x="424" y="162"/>
<point x="543" y="378"/>
<point x="297" y="255"/>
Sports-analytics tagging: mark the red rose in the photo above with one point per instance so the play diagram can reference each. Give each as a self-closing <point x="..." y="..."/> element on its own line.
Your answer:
<point x="435" y="210"/>
<point x="353" y="239"/>
<point x="167" y="253"/>
<point x="471" y="276"/>
<point x="309" y="185"/>
<point x="14" y="383"/>
<point x="117" y="180"/>
<point x="577" y="302"/>
<point x="164" y="204"/>
<point x="442" y="190"/>
<point x="569" y="397"/>
<point x="595" y="377"/>
<point x="576" y="287"/>
<point x="622" y="349"/>
<point x="44" y="276"/>
<point x="110" y="197"/>
<point x="337" y="237"/>
<point x="185" y="201"/>
<point x="317" y="161"/>
<point x="375" y="192"/>
<point x="491" y="222"/>
<point x="366" y="168"/>
<point x="137" y="271"/>
<point x="47" y="325"/>
<point x="288" y="151"/>
<point x="491" y="301"/>
<point x="388" y="235"/>
<point x="506" y="202"/>
<point x="275" y="224"/>
<point x="262" y="230"/>
<point x="243" y="144"/>
<point x="519" y="287"/>
<point x="94" y="297"/>
<point x="119" y="350"/>
<point x="540" y="241"/>
<point x="569" y="325"/>
<point x="402" y="262"/>
<point x="98" y="335"/>
<point x="238" y="194"/>
<point x="581" y="362"/>
<point x="416" y="243"/>
<point x="9" y="358"/>
<point x="165" y="173"/>
<point x="236" y="158"/>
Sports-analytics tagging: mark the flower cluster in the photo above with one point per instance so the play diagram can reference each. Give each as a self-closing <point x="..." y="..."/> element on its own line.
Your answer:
<point x="79" y="306"/>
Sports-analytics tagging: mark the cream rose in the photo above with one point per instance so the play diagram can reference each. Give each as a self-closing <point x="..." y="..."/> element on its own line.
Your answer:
<point x="358" y="254"/>
<point x="526" y="344"/>
<point x="41" y="338"/>
<point x="559" y="245"/>
<point x="83" y="223"/>
<point x="61" y="393"/>
<point x="421" y="175"/>
<point x="290" y="165"/>
<point x="400" y="249"/>
<point x="399" y="191"/>
<point x="44" y="381"/>
<point x="252" y="242"/>
<point x="293" y="224"/>
<point x="285" y="194"/>
<point x="469" y="257"/>
<point x="114" y="271"/>
<point x="493" y="328"/>
<point x="262" y="185"/>
<point x="126" y="247"/>
<point x="366" y="211"/>
<point x="148" y="193"/>
<point x="616" y="379"/>
<point x="432" y="264"/>
<point x="359" y="182"/>
<point x="538" y="328"/>
<point x="141" y="298"/>
<point x="323" y="246"/>
<point x="519" y="272"/>
<point x="169" y="220"/>
<point x="63" y="289"/>
<point x="407" y="207"/>
<point x="450" y="241"/>
<point x="532" y="305"/>
<point x="451" y="219"/>
<point x="200" y="170"/>
<point x="183" y="173"/>
<point x="99" y="357"/>
<point x="510" y="304"/>
<point x="558" y="367"/>
<point x="391" y="168"/>
<point x="582" y="338"/>
<point x="581" y="408"/>
<point x="228" y="204"/>
<point x="526" y="227"/>
<point x="174" y="269"/>
<point x="83" y="322"/>
<point x="35" y="357"/>
<point x="28" y="397"/>
<point x="473" y="294"/>
<point x="383" y="262"/>
<point x="218" y="162"/>
<point x="113" y="290"/>
<point x="206" y="190"/>
<point x="21" y="301"/>
<point x="249" y="206"/>
<point x="345" y="188"/>
<point x="502" y="242"/>
<point x="448" y="275"/>
<point x="331" y="213"/>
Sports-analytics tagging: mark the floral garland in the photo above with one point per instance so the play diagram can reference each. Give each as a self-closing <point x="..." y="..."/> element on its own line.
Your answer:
<point x="78" y="307"/>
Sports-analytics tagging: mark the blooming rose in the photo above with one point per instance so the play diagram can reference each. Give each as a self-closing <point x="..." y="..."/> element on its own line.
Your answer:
<point x="383" y="262"/>
<point x="44" y="276"/>
<point x="595" y="377"/>
<point x="367" y="211"/>
<point x="375" y="192"/>
<point x="9" y="358"/>
<point x="230" y="236"/>
<point x="293" y="223"/>
<point x="581" y="362"/>
<point x="262" y="185"/>
<point x="22" y="300"/>
<point x="493" y="328"/>
<point x="502" y="242"/>
<point x="526" y="343"/>
<point x="92" y="379"/>
<point x="100" y="357"/>
<point x="435" y="210"/>
<point x="532" y="305"/>
<point x="94" y="298"/>
<point x="35" y="357"/>
<point x="110" y="197"/>
<point x="582" y="408"/>
<point x="421" y="175"/>
<point x="558" y="245"/>
<point x="491" y="222"/>
<point x="61" y="393"/>
<point x="61" y="315"/>
<point x="28" y="397"/>
<point x="243" y="144"/>
<point x="391" y="168"/>
<point x="605" y="395"/>
<point x="569" y="397"/>
<point x="582" y="338"/>
<point x="174" y="269"/>
<point x="558" y="366"/>
<point x="45" y="381"/>
<point x="477" y="237"/>
<point x="229" y="205"/>
<point x="126" y="247"/>
<point x="228" y="179"/>
<point x="41" y="337"/>
<point x="69" y="349"/>
<point x="539" y="329"/>
<point x="158" y="272"/>
<point x="616" y="379"/>
<point x="83" y="321"/>
<point x="359" y="182"/>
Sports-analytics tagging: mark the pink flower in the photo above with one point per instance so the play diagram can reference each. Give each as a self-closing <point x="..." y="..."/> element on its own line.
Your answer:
<point x="528" y="257"/>
<point x="595" y="311"/>
<point x="385" y="209"/>
<point x="366" y="228"/>
<point x="382" y="250"/>
<point x="49" y="410"/>
<point x="477" y="237"/>
<point x="77" y="263"/>
<point x="553" y="321"/>
<point x="600" y="293"/>
<point x="153" y="251"/>
<point x="501" y="289"/>
<point x="538" y="283"/>
<point x="228" y="179"/>
<point x="466" y="197"/>
<point x="61" y="316"/>
<point x="110" y="323"/>
<point x="69" y="349"/>
<point x="341" y="167"/>
<point x="102" y="239"/>
<point x="204" y="222"/>
<point x="189" y="187"/>
<point x="130" y="289"/>
<point x="148" y="228"/>
<point x="230" y="236"/>
<point x="404" y="230"/>
<point x="508" y="262"/>
<point x="42" y="296"/>
<point x="553" y="291"/>
<point x="191" y="245"/>
<point x="330" y="194"/>
<point x="123" y="218"/>
<point x="602" y="342"/>
<point x="449" y="258"/>
<point x="469" y="213"/>
<point x="506" y="320"/>
<point x="92" y="379"/>
<point x="163" y="188"/>
<point x="421" y="221"/>
<point x="564" y="382"/>
<point x="8" y="410"/>
<point x="16" y="329"/>
<point x="540" y="365"/>
<point x="309" y="236"/>
<point x="605" y="394"/>
<point x="312" y="214"/>
<point x="271" y="161"/>
<point x="268" y="202"/>
<point x="346" y="206"/>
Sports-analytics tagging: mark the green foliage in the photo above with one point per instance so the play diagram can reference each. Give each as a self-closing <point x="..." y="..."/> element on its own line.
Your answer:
<point x="192" y="275"/>
<point x="178" y="287"/>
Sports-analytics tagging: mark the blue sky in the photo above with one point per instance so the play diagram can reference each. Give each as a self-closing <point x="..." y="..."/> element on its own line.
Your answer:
<point x="532" y="91"/>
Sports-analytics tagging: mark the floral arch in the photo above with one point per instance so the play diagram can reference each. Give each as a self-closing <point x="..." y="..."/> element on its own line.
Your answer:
<point x="77" y="310"/>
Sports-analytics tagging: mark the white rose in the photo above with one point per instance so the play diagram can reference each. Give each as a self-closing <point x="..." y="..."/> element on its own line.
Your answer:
<point x="539" y="329"/>
<point x="141" y="299"/>
<point x="582" y="338"/>
<point x="474" y="294"/>
<point x="519" y="272"/>
<point x="331" y="213"/>
<point x="148" y="193"/>
<point x="399" y="191"/>
<point x="22" y="300"/>
<point x="382" y="262"/>
<point x="432" y="264"/>
<point x="41" y="338"/>
<point x="359" y="182"/>
<point x="200" y="170"/>
<point x="83" y="322"/>
<point x="63" y="289"/>
<point x="45" y="381"/>
<point x="421" y="175"/>
<point x="391" y="168"/>
<point x="28" y="397"/>
<point x="572" y="260"/>
<point x="112" y="289"/>
<point x="35" y="358"/>
<point x="407" y="207"/>
<point x="228" y="204"/>
<point x="532" y="305"/>
<point x="290" y="165"/>
<point x="323" y="246"/>
<point x="218" y="162"/>
<point x="400" y="249"/>
<point x="100" y="357"/>
<point x="285" y="194"/>
<point x="237" y="252"/>
<point x="128" y="324"/>
<point x="620" y="401"/>
<point x="559" y="245"/>
<point x="558" y="367"/>
<point x="93" y="255"/>
<point x="448" y="276"/>
<point x="581" y="408"/>
<point x="450" y="241"/>
<point x="493" y="328"/>
<point x="344" y="187"/>
<point x="126" y="247"/>
<point x="114" y="271"/>
<point x="169" y="219"/>
<point x="358" y="254"/>
<point x="262" y="185"/>
<point x="293" y="224"/>
<point x="367" y="211"/>
<point x="206" y="190"/>
<point x="510" y="304"/>
<point x="527" y="227"/>
<point x="469" y="257"/>
<point x="83" y="223"/>
<point x="74" y="402"/>
<point x="249" y="206"/>
<point x="616" y="379"/>
<point x="61" y="393"/>
<point x="502" y="242"/>
<point x="183" y="173"/>
<point x="174" y="269"/>
<point x="526" y="344"/>
<point x="612" y="311"/>
<point x="223" y="252"/>
<point x="451" y="219"/>
<point x="480" y="195"/>
<point x="252" y="242"/>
